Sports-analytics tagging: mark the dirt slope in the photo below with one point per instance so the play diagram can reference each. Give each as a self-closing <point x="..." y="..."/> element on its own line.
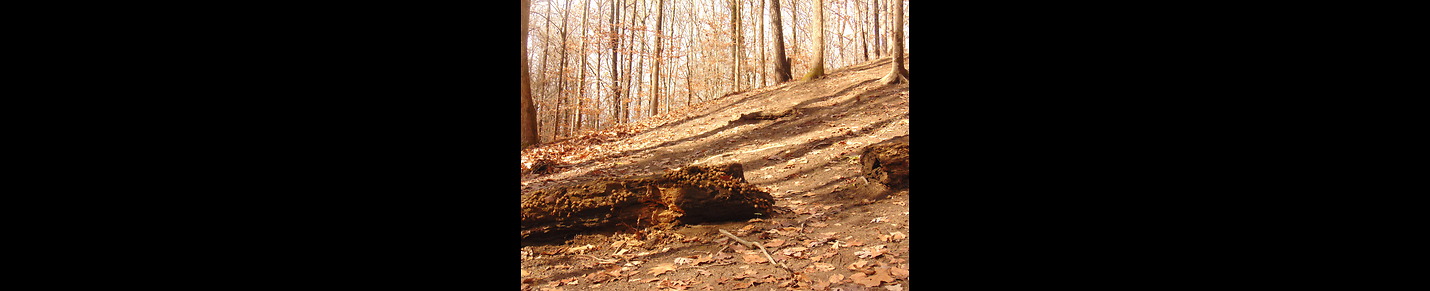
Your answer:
<point x="827" y="236"/>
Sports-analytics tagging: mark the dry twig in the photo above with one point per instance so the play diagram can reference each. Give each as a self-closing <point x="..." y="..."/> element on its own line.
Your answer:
<point x="762" y="249"/>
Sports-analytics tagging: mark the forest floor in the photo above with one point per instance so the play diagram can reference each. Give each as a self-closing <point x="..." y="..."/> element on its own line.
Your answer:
<point x="829" y="238"/>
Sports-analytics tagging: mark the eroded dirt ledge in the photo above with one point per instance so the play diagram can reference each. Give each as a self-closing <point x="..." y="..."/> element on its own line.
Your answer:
<point x="692" y="194"/>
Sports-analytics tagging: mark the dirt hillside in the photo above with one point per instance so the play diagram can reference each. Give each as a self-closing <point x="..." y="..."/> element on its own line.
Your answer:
<point x="825" y="233"/>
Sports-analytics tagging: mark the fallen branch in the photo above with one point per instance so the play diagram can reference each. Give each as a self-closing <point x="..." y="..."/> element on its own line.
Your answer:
<point x="762" y="249"/>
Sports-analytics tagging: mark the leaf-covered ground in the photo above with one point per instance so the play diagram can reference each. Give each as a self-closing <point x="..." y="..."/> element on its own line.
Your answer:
<point x="826" y="236"/>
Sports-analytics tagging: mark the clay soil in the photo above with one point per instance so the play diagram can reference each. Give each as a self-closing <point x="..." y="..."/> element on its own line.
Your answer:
<point x="824" y="233"/>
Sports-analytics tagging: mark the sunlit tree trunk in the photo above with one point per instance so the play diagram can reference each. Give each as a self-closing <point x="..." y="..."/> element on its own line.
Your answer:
<point x="528" y="111"/>
<point x="897" y="72"/>
<point x="581" y="91"/>
<point x="782" y="70"/>
<point x="659" y="20"/>
<point x="818" y="70"/>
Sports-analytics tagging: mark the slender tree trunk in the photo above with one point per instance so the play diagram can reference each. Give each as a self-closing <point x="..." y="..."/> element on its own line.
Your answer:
<point x="794" y="26"/>
<point x="897" y="72"/>
<point x="818" y="70"/>
<point x="764" y="63"/>
<point x="627" y="16"/>
<point x="863" y="30"/>
<point x="689" y="72"/>
<point x="528" y="111"/>
<point x="639" y="75"/>
<point x="659" y="20"/>
<point x="735" y="38"/>
<point x="878" y="40"/>
<point x="615" y="61"/>
<point x="544" y="111"/>
<point x="690" y="47"/>
<point x="842" y="56"/>
<point x="782" y="70"/>
<point x="581" y="92"/>
<point x="563" y="110"/>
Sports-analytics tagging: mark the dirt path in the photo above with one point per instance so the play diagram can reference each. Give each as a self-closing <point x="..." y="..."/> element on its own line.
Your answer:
<point x="806" y="161"/>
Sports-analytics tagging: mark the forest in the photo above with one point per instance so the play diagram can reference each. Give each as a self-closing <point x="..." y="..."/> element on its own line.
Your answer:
<point x="591" y="64"/>
<point x="715" y="145"/>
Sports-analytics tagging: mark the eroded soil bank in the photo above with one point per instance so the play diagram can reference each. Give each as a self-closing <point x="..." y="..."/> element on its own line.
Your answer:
<point x="692" y="194"/>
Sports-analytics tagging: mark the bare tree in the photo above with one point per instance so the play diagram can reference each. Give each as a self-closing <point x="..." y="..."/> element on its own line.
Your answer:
<point x="528" y="111"/>
<point x="818" y="70"/>
<point x="782" y="70"/>
<point x="615" y="69"/>
<point x="581" y="90"/>
<point x="897" y="72"/>
<point x="863" y="30"/>
<point x="874" y="9"/>
<point x="735" y="55"/>
<point x="659" y="20"/>
<point x="764" y="63"/>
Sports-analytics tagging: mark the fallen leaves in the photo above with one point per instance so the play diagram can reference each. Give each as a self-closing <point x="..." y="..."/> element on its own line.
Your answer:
<point x="753" y="257"/>
<point x="857" y="265"/>
<point x="872" y="252"/>
<point x="893" y="236"/>
<point x="875" y="280"/>
<point x="580" y="249"/>
<point x="661" y="269"/>
<point x="820" y="267"/>
<point x="694" y="260"/>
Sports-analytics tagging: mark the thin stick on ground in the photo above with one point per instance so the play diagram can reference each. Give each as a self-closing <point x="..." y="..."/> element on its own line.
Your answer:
<point x="762" y="249"/>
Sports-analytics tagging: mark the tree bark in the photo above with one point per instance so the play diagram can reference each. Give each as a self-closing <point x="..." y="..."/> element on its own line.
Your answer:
<point x="874" y="9"/>
<point x="689" y="72"/>
<point x="818" y="70"/>
<point x="581" y="91"/>
<point x="782" y="70"/>
<point x="528" y="111"/>
<point x="562" y="109"/>
<point x="659" y="20"/>
<point x="764" y="63"/>
<point x="615" y="68"/>
<point x="897" y="72"/>
<point x="735" y="38"/>
<point x="545" y="112"/>
<point x="863" y="30"/>
<point x="794" y="25"/>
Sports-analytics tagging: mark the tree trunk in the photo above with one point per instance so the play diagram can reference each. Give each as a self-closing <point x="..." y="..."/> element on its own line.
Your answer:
<point x="874" y="9"/>
<point x="659" y="20"/>
<point x="794" y="25"/>
<point x="639" y="71"/>
<point x="735" y="38"/>
<point x="630" y="45"/>
<point x="764" y="63"/>
<point x="689" y="72"/>
<point x="863" y="30"/>
<point x="782" y="70"/>
<point x="562" y="109"/>
<point x="528" y="111"/>
<point x="545" y="113"/>
<point x="581" y="91"/>
<point x="818" y="70"/>
<point x="897" y="72"/>
<point x="615" y="68"/>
